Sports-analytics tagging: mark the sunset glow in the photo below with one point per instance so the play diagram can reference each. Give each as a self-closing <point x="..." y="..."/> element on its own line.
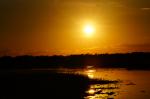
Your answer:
<point x="64" y="27"/>
<point x="89" y="30"/>
<point x="75" y="49"/>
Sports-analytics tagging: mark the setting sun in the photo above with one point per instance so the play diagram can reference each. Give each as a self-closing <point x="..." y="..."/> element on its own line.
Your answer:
<point x="89" y="30"/>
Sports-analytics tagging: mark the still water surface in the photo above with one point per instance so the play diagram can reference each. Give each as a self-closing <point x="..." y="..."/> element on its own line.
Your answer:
<point x="135" y="84"/>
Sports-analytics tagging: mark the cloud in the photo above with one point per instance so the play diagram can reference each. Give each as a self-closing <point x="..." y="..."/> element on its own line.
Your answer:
<point x="136" y="47"/>
<point x="145" y="9"/>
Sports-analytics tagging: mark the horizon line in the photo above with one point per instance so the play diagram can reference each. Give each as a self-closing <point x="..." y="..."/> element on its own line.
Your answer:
<point x="77" y="54"/>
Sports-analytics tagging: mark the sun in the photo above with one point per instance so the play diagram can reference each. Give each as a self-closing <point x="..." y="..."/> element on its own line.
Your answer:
<point x="88" y="30"/>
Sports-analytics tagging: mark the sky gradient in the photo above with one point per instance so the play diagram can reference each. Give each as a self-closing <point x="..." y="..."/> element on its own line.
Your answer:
<point x="49" y="27"/>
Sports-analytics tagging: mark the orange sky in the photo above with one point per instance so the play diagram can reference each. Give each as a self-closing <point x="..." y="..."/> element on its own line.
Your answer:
<point x="48" y="27"/>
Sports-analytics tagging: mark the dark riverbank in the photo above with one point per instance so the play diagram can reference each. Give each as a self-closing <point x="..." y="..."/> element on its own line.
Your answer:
<point x="45" y="85"/>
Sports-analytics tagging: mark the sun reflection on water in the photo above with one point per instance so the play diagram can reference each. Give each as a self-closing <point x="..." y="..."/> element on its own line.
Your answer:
<point x="91" y="91"/>
<point x="132" y="84"/>
<point x="90" y="75"/>
<point x="99" y="91"/>
<point x="90" y="71"/>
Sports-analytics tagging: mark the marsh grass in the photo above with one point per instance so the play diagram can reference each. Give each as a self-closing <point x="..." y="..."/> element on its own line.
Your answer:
<point x="46" y="85"/>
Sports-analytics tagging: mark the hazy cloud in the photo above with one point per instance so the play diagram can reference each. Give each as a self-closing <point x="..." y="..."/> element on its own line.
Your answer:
<point x="145" y="9"/>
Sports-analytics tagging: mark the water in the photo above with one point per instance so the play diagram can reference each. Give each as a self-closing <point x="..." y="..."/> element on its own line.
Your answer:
<point x="134" y="84"/>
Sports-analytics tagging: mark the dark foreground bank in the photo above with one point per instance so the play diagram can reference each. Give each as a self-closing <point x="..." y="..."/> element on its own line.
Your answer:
<point x="44" y="85"/>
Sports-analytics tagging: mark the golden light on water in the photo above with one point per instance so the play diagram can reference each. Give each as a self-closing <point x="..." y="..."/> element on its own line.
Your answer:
<point x="90" y="71"/>
<point x="90" y="75"/>
<point x="91" y="91"/>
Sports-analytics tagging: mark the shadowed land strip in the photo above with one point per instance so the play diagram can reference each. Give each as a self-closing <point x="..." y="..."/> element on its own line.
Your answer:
<point x="46" y="85"/>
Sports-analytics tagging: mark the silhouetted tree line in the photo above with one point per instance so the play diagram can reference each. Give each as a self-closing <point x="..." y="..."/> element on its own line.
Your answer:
<point x="135" y="60"/>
